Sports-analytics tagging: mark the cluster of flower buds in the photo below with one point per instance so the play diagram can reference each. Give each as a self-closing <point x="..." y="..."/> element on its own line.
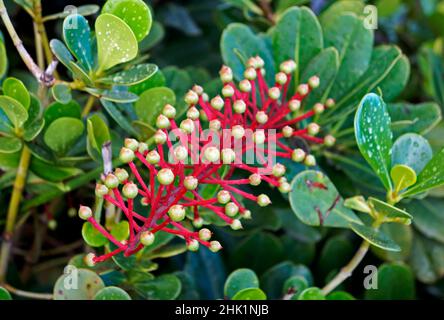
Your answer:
<point x="244" y="133"/>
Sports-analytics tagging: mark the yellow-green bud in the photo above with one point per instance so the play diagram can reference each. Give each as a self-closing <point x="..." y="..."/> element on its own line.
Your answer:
<point x="217" y="103"/>
<point x="85" y="212"/>
<point x="126" y="155"/>
<point x="130" y="190"/>
<point x="165" y="176"/>
<point x="169" y="111"/>
<point x="147" y="238"/>
<point x="101" y="190"/>
<point x="193" y="245"/>
<point x="121" y="174"/>
<point x="177" y="213"/>
<point x="298" y="155"/>
<point x="223" y="197"/>
<point x="215" y="246"/>
<point x="190" y="183"/>
<point x="153" y="157"/>
<point x="239" y="106"/>
<point x="274" y="93"/>
<point x="191" y="98"/>
<point x="89" y="259"/>
<point x="162" y="122"/>
<point x="255" y="179"/>
<point x="231" y="209"/>
<point x="205" y="234"/>
<point x="132" y="144"/>
<point x="236" y="224"/>
<point x="212" y="154"/>
<point x="111" y="181"/>
<point x="263" y="200"/>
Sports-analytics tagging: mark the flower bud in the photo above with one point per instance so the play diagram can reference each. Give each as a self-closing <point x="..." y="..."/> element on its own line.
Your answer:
<point x="246" y="214"/>
<point x="198" y="222"/>
<point x="259" y="136"/>
<point x="285" y="187"/>
<point x="250" y="74"/>
<point x="203" y="116"/>
<point x="85" y="212"/>
<point x="153" y="157"/>
<point x="217" y="103"/>
<point x="227" y="91"/>
<point x="298" y="155"/>
<point x="261" y="117"/>
<point x="130" y="190"/>
<point x="231" y="209"/>
<point x="278" y="170"/>
<point x="223" y="197"/>
<point x="313" y="129"/>
<point x="190" y="183"/>
<point x="205" y="234"/>
<point x="177" y="213"/>
<point x="198" y="89"/>
<point x="318" y="108"/>
<point x="294" y="105"/>
<point x="255" y="179"/>
<point x="162" y="122"/>
<point x="193" y="113"/>
<point x="165" y="176"/>
<point x="238" y="132"/>
<point x="287" y="131"/>
<point x="236" y="224"/>
<point x="126" y="155"/>
<point x="193" y="245"/>
<point x="288" y="66"/>
<point x="263" y="200"/>
<point x="226" y="74"/>
<point x="313" y="82"/>
<point x="187" y="126"/>
<point x="228" y="156"/>
<point x="142" y="147"/>
<point x="239" y="106"/>
<point x="181" y="153"/>
<point x="111" y="181"/>
<point x="274" y="93"/>
<point x="101" y="190"/>
<point x="131" y="144"/>
<point x="121" y="174"/>
<point x="144" y="201"/>
<point x="310" y="160"/>
<point x="89" y="259"/>
<point x="215" y="246"/>
<point x="329" y="140"/>
<point x="303" y="89"/>
<point x="245" y="85"/>
<point x="215" y="125"/>
<point x="147" y="238"/>
<point x="160" y="137"/>
<point x="212" y="154"/>
<point x="191" y="98"/>
<point x="281" y="78"/>
<point x="52" y="224"/>
<point x="330" y="103"/>
<point x="169" y="111"/>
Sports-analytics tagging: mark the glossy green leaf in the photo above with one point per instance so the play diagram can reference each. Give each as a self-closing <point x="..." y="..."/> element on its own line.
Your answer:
<point x="389" y="211"/>
<point x="114" y="112"/>
<point x="428" y="217"/>
<point x="132" y="76"/>
<point x="402" y="235"/>
<point x="51" y="172"/>
<point x="61" y="52"/>
<point x="395" y="282"/>
<point x="316" y="201"/>
<point x="156" y="80"/>
<point x="339" y="7"/>
<point x="116" y="42"/>
<point x="77" y="36"/>
<point x="135" y="13"/>
<point x="113" y="95"/>
<point x="298" y="36"/>
<point x="238" y="44"/>
<point x="250" y="294"/>
<point x="58" y="110"/>
<point x="375" y="237"/>
<point x="92" y="236"/>
<point x="374" y="135"/>
<point x="88" y="283"/>
<point x="340" y="295"/>
<point x="151" y="103"/>
<point x="311" y="294"/>
<point x="354" y="42"/>
<point x="120" y="231"/>
<point x="413" y="151"/>
<point x="238" y="280"/>
<point x="431" y="176"/>
<point x="98" y="134"/>
<point x="335" y="253"/>
<point x="294" y="286"/>
<point x="4" y="294"/>
<point x="33" y="129"/>
<point x="15" y="89"/>
<point x="164" y="287"/>
<point x="402" y="177"/>
<point x="61" y="93"/>
<point x="112" y="293"/>
<point x="79" y="74"/>
<point x="63" y="133"/>
<point x="15" y="112"/>
<point x="10" y="144"/>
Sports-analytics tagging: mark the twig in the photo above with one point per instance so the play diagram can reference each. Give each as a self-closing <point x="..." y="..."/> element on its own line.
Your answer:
<point x="28" y="294"/>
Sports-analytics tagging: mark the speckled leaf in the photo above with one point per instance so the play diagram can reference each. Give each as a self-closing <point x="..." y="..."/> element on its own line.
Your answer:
<point x="61" y="52"/>
<point x="80" y="74"/>
<point x="388" y="210"/>
<point x="116" y="42"/>
<point x="77" y="36"/>
<point x="151" y="103"/>
<point x="118" y="117"/>
<point x="63" y="133"/>
<point x="14" y="110"/>
<point x="156" y="80"/>
<point x="15" y="89"/>
<point x="375" y="237"/>
<point x="316" y="201"/>
<point x="431" y="176"/>
<point x="87" y="285"/>
<point x="113" y="95"/>
<point x="4" y="294"/>
<point x="403" y="177"/>
<point x="374" y="136"/>
<point x="164" y="287"/>
<point x="135" y="13"/>
<point x="238" y="280"/>
<point x="250" y="294"/>
<point x="298" y="36"/>
<point x="413" y="151"/>
<point x="132" y="76"/>
<point x="92" y="236"/>
<point x="112" y="293"/>
<point x="10" y="144"/>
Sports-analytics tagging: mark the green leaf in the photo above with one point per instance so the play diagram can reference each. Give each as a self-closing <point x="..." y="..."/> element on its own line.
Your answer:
<point x="59" y="110"/>
<point x="402" y="177"/>
<point x="79" y="74"/>
<point x="118" y="117"/>
<point x="51" y="172"/>
<point x="340" y="295"/>
<point x="132" y="76"/>
<point x="335" y="253"/>
<point x="354" y="42"/>
<point x="120" y="231"/>
<point x="156" y="80"/>
<point x="294" y="285"/>
<point x="250" y="294"/>
<point x="10" y="144"/>
<point x="164" y="287"/>
<point x="15" y="89"/>
<point x="116" y="42"/>
<point x="402" y="235"/>
<point x="113" y="95"/>
<point x="151" y="103"/>
<point x="77" y="36"/>
<point x="61" y="93"/>
<point x="389" y="211"/>
<point x="414" y="118"/>
<point x="92" y="236"/>
<point x="339" y="7"/>
<point x="431" y="176"/>
<point x="238" y="280"/>
<point x="413" y="151"/>
<point x="4" y="294"/>
<point x="428" y="217"/>
<point x="395" y="282"/>
<point x="14" y="110"/>
<point x="98" y="134"/>
<point x="87" y="285"/>
<point x="311" y="294"/>
<point x="374" y="136"/>
<point x="63" y="133"/>
<point x="316" y="201"/>
<point x="61" y="52"/>
<point x="3" y="59"/>
<point x="375" y="237"/>
<point x="33" y="129"/>
<point x="135" y="13"/>
<point x="112" y="293"/>
<point x="238" y="44"/>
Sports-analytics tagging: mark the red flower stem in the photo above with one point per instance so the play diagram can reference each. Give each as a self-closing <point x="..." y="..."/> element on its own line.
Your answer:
<point x="105" y="233"/>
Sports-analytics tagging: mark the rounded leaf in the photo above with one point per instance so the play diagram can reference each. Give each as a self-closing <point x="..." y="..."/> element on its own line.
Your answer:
<point x="395" y="282"/>
<point x="92" y="236"/>
<point x="250" y="294"/>
<point x="112" y="293"/>
<point x="413" y="151"/>
<point x="77" y="36"/>
<point x="4" y="294"/>
<point x="402" y="177"/>
<point x="15" y="89"/>
<point x="61" y="93"/>
<point x="240" y="279"/>
<point x="63" y="133"/>
<point x="14" y="110"/>
<point x="151" y="103"/>
<point x="120" y="231"/>
<point x="375" y="237"/>
<point x="311" y="294"/>
<point x="77" y="284"/>
<point x="131" y="76"/>
<point x="10" y="144"/>
<point x="59" y="110"/>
